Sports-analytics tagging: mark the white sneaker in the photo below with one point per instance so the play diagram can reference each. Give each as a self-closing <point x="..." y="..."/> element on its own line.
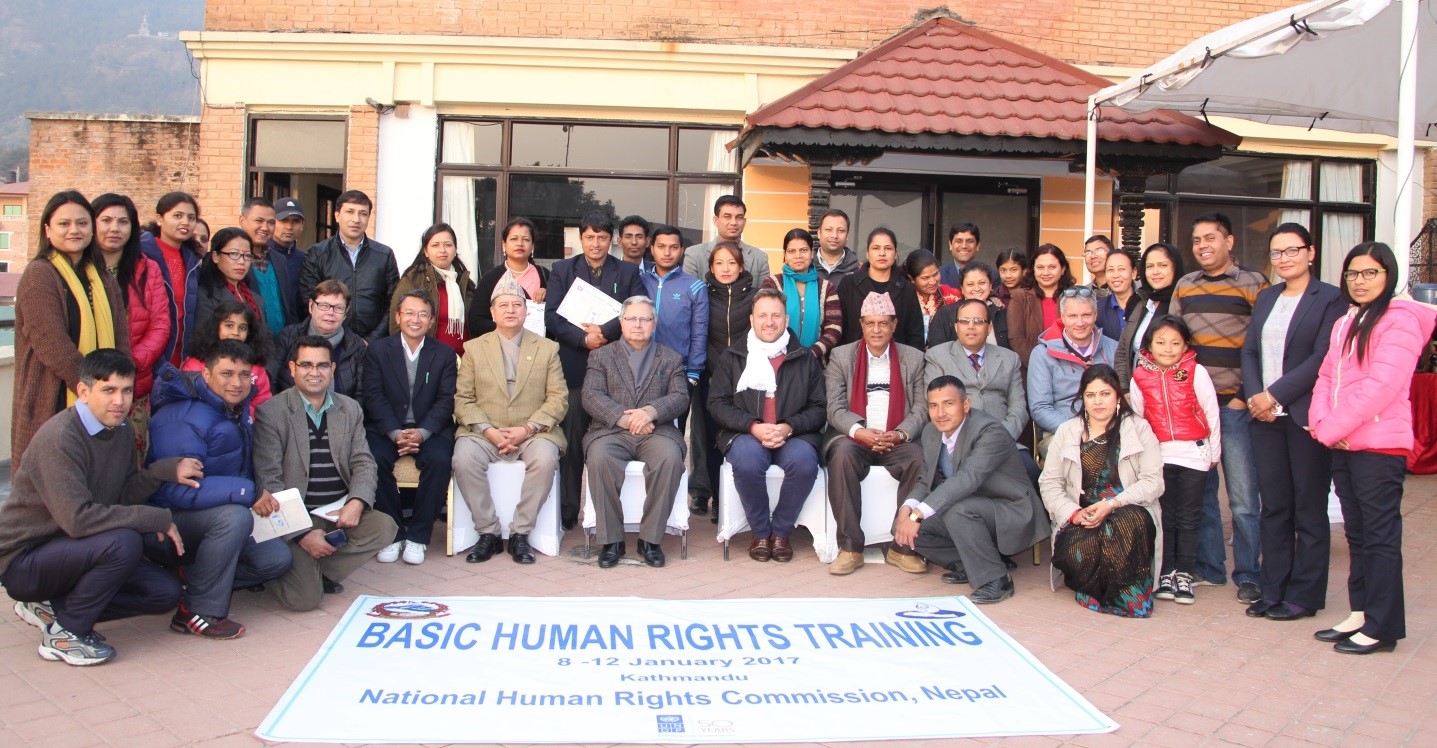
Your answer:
<point x="39" y="615"/>
<point x="413" y="552"/>
<point x="390" y="554"/>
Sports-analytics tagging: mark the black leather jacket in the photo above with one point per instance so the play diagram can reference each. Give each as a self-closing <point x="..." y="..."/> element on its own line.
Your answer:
<point x="371" y="279"/>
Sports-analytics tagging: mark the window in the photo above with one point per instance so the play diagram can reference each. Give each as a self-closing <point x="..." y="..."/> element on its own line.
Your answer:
<point x="301" y="158"/>
<point x="4" y="240"/>
<point x="14" y="210"/>
<point x="554" y="172"/>
<point x="1333" y="198"/>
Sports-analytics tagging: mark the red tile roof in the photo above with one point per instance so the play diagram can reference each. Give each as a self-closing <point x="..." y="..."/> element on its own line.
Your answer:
<point x="945" y="77"/>
<point x="15" y="188"/>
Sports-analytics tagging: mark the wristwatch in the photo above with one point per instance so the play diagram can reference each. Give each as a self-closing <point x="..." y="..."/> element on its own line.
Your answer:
<point x="915" y="515"/>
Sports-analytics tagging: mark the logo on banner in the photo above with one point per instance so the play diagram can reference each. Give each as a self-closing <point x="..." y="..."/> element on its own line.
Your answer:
<point x="715" y="726"/>
<point x="409" y="610"/>
<point x="671" y="722"/>
<point x="928" y="612"/>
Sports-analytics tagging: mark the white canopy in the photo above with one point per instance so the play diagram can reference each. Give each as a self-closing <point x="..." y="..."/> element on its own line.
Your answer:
<point x="1348" y="65"/>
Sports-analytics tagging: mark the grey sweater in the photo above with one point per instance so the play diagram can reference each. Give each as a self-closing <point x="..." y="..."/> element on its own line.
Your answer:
<point x="76" y="485"/>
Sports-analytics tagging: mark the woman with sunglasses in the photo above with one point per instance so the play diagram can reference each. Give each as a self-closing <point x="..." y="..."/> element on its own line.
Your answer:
<point x="225" y="274"/>
<point x="1362" y="410"/>
<point x="1032" y="311"/>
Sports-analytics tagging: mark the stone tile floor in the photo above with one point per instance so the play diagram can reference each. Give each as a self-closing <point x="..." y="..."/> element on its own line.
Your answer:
<point x="1191" y="675"/>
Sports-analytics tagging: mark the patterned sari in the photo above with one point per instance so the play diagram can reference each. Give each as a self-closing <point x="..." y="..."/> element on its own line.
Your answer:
<point x="1108" y="567"/>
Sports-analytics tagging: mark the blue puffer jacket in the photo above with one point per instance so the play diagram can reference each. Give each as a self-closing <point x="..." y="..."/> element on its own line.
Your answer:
<point x="190" y="420"/>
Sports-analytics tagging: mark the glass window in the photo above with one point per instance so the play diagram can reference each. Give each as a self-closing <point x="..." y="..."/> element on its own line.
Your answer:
<point x="1246" y="176"/>
<point x="901" y="211"/>
<point x="14" y="210"/>
<point x="696" y="206"/>
<point x="289" y="144"/>
<point x="469" y="207"/>
<point x="473" y="143"/>
<point x="4" y="239"/>
<point x="707" y="150"/>
<point x="1342" y="182"/>
<point x="554" y="202"/>
<point x="590" y="147"/>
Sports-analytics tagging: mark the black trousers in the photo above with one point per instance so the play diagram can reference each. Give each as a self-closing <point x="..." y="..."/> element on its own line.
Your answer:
<point x="1369" y="485"/>
<point x="102" y="577"/>
<point x="703" y="455"/>
<point x="1293" y="475"/>
<point x="435" y="460"/>
<point x="571" y="463"/>
<point x="1182" y="513"/>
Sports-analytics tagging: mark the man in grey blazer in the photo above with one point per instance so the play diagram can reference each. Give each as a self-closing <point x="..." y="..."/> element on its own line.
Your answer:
<point x="876" y="409"/>
<point x="312" y="439"/>
<point x="633" y="391"/>
<point x="973" y="503"/>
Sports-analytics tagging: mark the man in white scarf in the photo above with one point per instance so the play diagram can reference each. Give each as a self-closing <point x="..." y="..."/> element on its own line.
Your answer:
<point x="767" y="398"/>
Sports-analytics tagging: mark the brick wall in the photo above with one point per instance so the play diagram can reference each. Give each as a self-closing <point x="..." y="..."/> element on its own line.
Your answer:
<point x="1098" y="32"/>
<point x="221" y="176"/>
<point x="361" y="155"/>
<point x="137" y="155"/>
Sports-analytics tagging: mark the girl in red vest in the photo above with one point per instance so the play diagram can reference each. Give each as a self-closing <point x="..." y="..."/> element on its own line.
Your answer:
<point x="1174" y="393"/>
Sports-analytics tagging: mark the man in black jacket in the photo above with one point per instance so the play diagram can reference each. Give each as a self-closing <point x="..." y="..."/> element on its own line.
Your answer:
<point x="367" y="267"/>
<point x="616" y="279"/>
<point x="768" y="400"/>
<point x="328" y="303"/>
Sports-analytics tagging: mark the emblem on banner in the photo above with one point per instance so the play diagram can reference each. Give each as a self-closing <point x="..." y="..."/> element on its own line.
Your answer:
<point x="409" y="609"/>
<point x="671" y="722"/>
<point x="926" y="611"/>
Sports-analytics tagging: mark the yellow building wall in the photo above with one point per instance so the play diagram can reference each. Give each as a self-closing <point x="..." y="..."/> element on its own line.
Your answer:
<point x="1060" y="219"/>
<point x="777" y="200"/>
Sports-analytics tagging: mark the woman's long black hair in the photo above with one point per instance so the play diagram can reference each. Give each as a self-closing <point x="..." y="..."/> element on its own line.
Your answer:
<point x="1109" y="376"/>
<point x="130" y="254"/>
<point x="1369" y="315"/>
<point x="207" y="335"/>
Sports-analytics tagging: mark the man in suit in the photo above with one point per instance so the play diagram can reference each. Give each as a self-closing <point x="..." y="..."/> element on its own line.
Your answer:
<point x="509" y="404"/>
<point x="730" y="217"/>
<point x="973" y="504"/>
<point x="633" y="391"/>
<point x="409" y="410"/>
<point x="312" y="438"/>
<point x="876" y="409"/>
<point x="614" y="278"/>
<point x="963" y="244"/>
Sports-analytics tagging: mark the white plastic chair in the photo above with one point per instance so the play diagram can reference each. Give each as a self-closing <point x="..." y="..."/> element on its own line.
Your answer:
<point x="631" y="499"/>
<point x="505" y="480"/>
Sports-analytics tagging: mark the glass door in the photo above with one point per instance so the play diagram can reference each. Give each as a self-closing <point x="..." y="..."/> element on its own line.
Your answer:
<point x="1004" y="210"/>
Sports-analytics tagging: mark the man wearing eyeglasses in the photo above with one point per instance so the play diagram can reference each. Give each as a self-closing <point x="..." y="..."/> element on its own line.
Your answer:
<point x="1058" y="360"/>
<point x="1095" y="256"/>
<point x="312" y="438"/>
<point x="992" y="376"/>
<point x="1216" y="302"/>
<point x="633" y="391"/>
<point x="409" y="410"/>
<point x="328" y="303"/>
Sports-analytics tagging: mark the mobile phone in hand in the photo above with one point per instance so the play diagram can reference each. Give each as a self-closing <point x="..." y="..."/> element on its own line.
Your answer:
<point x="338" y="538"/>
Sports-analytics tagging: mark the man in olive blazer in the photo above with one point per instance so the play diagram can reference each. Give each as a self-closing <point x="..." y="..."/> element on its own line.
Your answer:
<point x="510" y="401"/>
<point x="977" y="507"/>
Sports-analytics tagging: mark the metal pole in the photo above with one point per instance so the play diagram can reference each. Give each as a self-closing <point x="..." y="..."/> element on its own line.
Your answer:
<point x="1090" y="173"/>
<point x="1407" y="70"/>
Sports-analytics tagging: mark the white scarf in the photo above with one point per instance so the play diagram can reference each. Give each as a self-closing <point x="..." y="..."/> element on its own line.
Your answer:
<point x="455" y="311"/>
<point x="758" y="373"/>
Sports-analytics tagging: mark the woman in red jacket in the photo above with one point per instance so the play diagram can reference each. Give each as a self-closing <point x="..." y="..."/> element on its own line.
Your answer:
<point x="117" y="233"/>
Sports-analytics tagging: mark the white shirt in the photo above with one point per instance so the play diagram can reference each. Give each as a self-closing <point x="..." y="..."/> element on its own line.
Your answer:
<point x="877" y="411"/>
<point x="950" y="444"/>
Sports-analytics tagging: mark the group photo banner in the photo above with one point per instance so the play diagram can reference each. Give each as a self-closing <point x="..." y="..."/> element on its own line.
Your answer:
<point x="633" y="670"/>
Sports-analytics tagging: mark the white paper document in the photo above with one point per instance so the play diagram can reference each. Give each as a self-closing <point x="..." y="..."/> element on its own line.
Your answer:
<point x="586" y="305"/>
<point x="534" y="321"/>
<point x="330" y="511"/>
<point x="289" y="520"/>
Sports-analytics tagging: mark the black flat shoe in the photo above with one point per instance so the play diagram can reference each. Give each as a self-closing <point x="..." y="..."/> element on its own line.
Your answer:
<point x="1347" y="646"/>
<point x="519" y="549"/>
<point x="1009" y="562"/>
<point x="1332" y="635"/>
<point x="996" y="591"/>
<point x="610" y="555"/>
<point x="652" y="554"/>
<point x="330" y="586"/>
<point x="1260" y="608"/>
<point x="484" y="549"/>
<point x="1288" y="612"/>
<point x="698" y="505"/>
<point x="955" y="577"/>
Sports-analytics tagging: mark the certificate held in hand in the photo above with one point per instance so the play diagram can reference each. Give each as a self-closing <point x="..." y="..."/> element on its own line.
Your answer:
<point x="586" y="305"/>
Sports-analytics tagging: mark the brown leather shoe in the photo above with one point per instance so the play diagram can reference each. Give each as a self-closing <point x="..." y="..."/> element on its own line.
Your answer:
<point x="782" y="551"/>
<point x="846" y="563"/>
<point x="909" y="562"/>
<point x="761" y="549"/>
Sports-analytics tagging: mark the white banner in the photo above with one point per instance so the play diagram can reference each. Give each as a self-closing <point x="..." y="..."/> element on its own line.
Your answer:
<point x="611" y="670"/>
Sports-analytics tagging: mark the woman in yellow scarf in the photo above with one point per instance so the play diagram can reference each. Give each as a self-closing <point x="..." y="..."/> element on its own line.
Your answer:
<point x="66" y="307"/>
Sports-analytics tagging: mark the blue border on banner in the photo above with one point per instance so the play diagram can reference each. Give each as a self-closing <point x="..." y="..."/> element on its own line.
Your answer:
<point x="298" y="685"/>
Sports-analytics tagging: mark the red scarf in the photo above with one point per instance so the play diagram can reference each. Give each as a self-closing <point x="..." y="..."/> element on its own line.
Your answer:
<point x="858" y="398"/>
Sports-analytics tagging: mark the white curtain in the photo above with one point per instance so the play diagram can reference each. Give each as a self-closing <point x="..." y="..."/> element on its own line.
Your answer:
<point x="720" y="158"/>
<point x="1340" y="232"/>
<point x="458" y="209"/>
<point x="1296" y="185"/>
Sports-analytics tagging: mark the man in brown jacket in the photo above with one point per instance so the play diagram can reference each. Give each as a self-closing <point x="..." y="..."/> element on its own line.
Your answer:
<point x="70" y="550"/>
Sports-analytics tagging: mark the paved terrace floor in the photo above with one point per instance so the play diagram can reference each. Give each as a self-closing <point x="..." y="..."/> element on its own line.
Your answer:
<point x="1191" y="675"/>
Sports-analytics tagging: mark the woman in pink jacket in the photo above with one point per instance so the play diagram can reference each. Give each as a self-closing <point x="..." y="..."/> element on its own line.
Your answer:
<point x="1360" y="408"/>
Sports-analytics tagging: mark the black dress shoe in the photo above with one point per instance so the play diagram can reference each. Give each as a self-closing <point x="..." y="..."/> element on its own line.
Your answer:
<point x="1288" y="612"/>
<point x="698" y="505"/>
<point x="652" y="553"/>
<point x="330" y="586"/>
<point x="519" y="548"/>
<point x="1333" y="635"/>
<point x="996" y="591"/>
<point x="955" y="577"/>
<point x="610" y="555"/>
<point x="1009" y="562"/>
<point x="568" y="523"/>
<point x="713" y="513"/>
<point x="1260" y="608"/>
<point x="1347" y="646"/>
<point x="485" y="549"/>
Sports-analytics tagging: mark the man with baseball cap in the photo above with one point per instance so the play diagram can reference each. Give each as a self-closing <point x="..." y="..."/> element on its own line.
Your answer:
<point x="284" y="246"/>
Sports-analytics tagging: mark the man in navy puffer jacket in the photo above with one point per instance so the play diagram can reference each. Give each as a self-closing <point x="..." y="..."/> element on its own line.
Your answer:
<point x="205" y="415"/>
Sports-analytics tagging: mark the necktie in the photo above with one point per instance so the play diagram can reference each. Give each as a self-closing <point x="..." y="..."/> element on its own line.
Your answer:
<point x="946" y="463"/>
<point x="974" y="358"/>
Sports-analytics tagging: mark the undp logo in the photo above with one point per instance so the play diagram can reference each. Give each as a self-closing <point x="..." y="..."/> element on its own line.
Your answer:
<point x="671" y="722"/>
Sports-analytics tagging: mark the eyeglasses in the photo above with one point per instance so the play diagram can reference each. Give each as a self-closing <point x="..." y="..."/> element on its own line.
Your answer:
<point x="323" y="307"/>
<point x="1287" y="251"/>
<point x="320" y="366"/>
<point x="238" y="256"/>
<point x="1077" y="291"/>
<point x="1367" y="275"/>
<point x="411" y="314"/>
<point x="639" y="320"/>
<point x="972" y="321"/>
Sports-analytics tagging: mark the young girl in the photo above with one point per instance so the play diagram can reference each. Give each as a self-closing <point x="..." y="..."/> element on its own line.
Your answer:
<point x="1176" y="397"/>
<point x="234" y="320"/>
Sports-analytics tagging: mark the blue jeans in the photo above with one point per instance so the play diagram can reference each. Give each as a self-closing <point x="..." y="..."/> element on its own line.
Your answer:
<point x="750" y="460"/>
<point x="1240" y="473"/>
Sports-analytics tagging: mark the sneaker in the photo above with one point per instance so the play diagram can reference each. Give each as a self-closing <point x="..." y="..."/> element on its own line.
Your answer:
<point x="390" y="554"/>
<point x="58" y="644"/>
<point x="1248" y="593"/>
<point x="413" y="553"/>
<point x="209" y="627"/>
<point x="38" y="615"/>
<point x="1183" y="589"/>
<point x="1165" y="587"/>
